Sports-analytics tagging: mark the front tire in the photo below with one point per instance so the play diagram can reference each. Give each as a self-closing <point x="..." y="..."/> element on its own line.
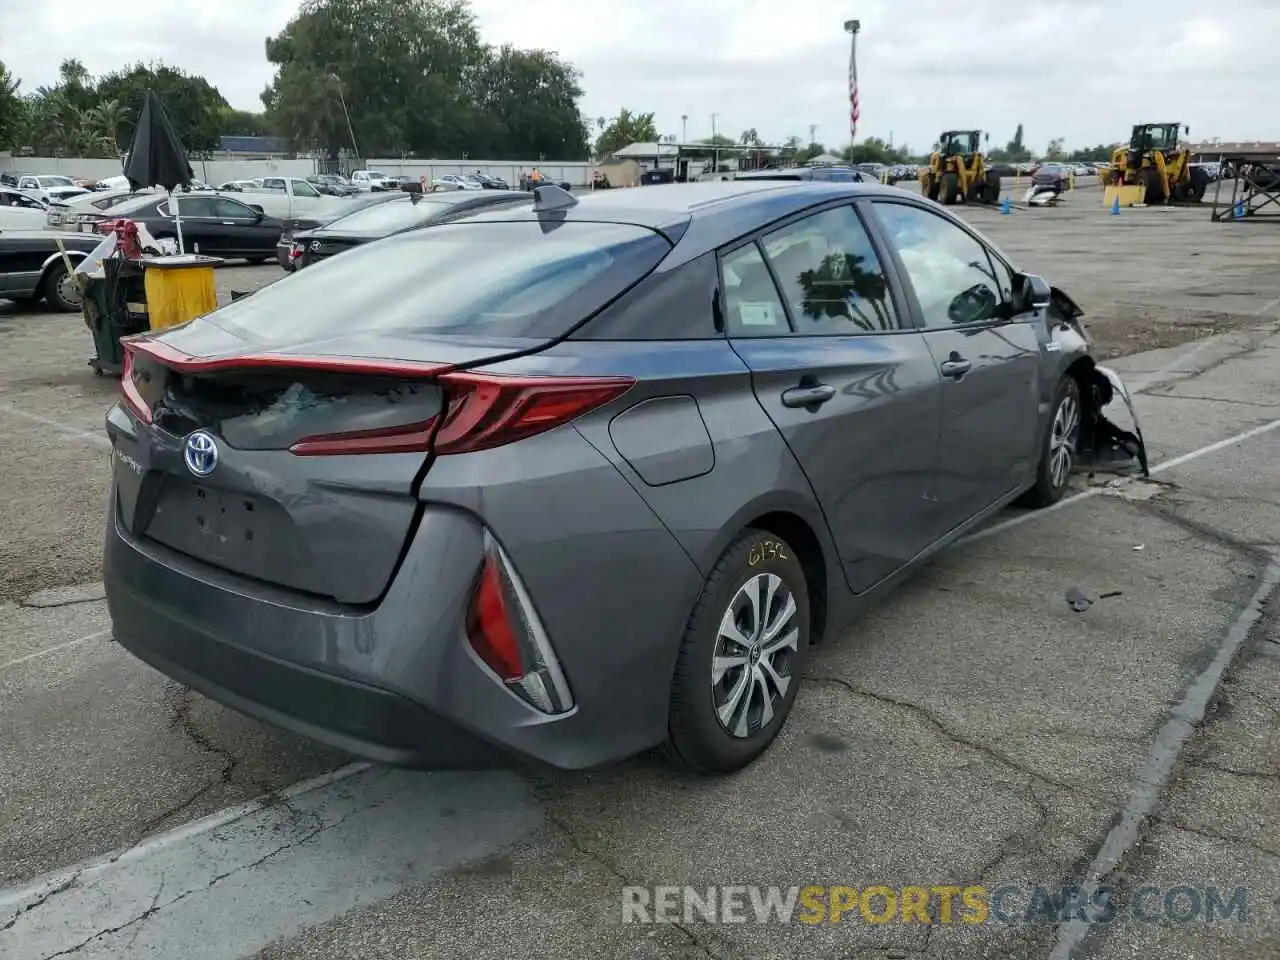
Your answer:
<point x="60" y="289"/>
<point x="741" y="658"/>
<point x="1058" y="449"/>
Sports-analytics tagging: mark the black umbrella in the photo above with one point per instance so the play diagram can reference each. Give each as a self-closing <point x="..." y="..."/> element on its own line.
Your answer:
<point x="157" y="157"/>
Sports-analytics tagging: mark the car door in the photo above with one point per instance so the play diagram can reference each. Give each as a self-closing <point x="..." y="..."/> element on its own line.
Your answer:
<point x="989" y="359"/>
<point x="848" y="382"/>
<point x="242" y="231"/>
<point x="198" y="222"/>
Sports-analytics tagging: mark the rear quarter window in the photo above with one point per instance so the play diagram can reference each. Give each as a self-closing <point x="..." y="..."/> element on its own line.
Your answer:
<point x="481" y="278"/>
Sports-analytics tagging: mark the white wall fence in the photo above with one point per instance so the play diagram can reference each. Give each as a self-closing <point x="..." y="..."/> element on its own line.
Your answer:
<point x="219" y="171"/>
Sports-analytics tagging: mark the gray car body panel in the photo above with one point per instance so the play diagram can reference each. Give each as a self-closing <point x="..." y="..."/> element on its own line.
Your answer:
<point x="613" y="522"/>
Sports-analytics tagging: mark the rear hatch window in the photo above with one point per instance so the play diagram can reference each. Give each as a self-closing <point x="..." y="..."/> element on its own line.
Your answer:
<point x="525" y="279"/>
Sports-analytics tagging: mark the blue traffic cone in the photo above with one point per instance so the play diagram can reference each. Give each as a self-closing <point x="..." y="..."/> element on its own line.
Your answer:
<point x="1006" y="205"/>
<point x="1115" y="207"/>
<point x="1238" y="212"/>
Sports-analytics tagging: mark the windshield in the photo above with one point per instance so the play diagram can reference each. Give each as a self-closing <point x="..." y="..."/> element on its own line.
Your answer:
<point x="484" y="279"/>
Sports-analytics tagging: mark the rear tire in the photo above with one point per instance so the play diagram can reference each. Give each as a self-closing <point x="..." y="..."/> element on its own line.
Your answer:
<point x="721" y="723"/>
<point x="1058" y="448"/>
<point x="932" y="187"/>
<point x="992" y="192"/>
<point x="59" y="288"/>
<point x="950" y="188"/>
<point x="1153" y="187"/>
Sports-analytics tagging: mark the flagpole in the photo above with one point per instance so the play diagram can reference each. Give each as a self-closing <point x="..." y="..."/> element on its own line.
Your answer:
<point x="852" y="27"/>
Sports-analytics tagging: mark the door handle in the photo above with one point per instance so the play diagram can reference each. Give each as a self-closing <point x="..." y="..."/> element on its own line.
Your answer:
<point x="809" y="395"/>
<point x="956" y="367"/>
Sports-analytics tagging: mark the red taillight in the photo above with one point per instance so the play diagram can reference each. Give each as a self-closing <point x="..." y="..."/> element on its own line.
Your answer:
<point x="484" y="411"/>
<point x="488" y="411"/>
<point x="410" y="438"/>
<point x="490" y="627"/>
<point x="133" y="398"/>
<point x="506" y="634"/>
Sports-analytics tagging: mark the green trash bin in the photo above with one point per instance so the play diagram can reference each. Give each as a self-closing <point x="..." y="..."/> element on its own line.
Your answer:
<point x="114" y="307"/>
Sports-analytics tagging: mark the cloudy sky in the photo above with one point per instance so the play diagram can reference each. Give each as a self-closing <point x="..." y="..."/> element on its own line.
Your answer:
<point x="1079" y="69"/>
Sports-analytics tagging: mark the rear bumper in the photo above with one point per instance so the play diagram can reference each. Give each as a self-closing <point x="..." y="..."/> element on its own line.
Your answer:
<point x="399" y="683"/>
<point x="352" y="682"/>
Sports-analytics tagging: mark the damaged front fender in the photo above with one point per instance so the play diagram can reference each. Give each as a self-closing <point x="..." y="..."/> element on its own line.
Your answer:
<point x="1105" y="446"/>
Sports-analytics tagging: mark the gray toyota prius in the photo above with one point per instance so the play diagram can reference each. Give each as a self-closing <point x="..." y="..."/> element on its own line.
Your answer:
<point x="579" y="477"/>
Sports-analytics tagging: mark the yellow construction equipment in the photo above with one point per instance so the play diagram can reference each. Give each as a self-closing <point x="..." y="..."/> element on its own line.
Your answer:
<point x="958" y="171"/>
<point x="1154" y="168"/>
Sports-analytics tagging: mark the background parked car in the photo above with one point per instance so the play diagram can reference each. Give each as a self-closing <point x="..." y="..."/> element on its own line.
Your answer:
<point x="332" y="184"/>
<point x="211" y="223"/>
<point x="405" y="212"/>
<point x="50" y="186"/>
<point x="21" y="211"/>
<point x="32" y="267"/>
<point x="85" y="211"/>
<point x="286" y="252"/>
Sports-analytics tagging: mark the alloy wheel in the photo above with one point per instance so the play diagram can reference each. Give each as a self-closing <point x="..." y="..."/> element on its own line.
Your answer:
<point x="1062" y="440"/>
<point x="751" y="668"/>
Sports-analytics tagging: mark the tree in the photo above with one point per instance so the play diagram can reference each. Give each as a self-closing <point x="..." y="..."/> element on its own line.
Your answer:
<point x="1054" y="151"/>
<point x="12" y="108"/>
<point x="623" y="130"/>
<point x="875" y="150"/>
<point x="413" y="77"/>
<point x="526" y="105"/>
<point x="195" y="106"/>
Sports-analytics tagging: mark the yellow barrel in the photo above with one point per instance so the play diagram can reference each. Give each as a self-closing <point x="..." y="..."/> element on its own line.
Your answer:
<point x="179" y="289"/>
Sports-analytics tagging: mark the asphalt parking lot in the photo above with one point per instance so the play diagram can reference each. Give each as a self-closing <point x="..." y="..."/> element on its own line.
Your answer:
<point x="975" y="729"/>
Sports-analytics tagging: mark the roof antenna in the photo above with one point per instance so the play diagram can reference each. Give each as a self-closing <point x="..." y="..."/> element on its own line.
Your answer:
<point x="551" y="197"/>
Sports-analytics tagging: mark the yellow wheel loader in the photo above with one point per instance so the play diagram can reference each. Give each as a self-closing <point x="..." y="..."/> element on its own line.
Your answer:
<point x="1154" y="168"/>
<point x="958" y="172"/>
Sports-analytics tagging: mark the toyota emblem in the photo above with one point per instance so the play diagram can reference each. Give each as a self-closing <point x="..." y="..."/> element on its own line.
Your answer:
<point x="200" y="454"/>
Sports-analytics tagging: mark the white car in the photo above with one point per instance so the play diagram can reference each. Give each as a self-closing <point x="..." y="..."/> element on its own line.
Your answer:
<point x="82" y="213"/>
<point x="367" y="180"/>
<point x="50" y="187"/>
<point x="451" y="181"/>
<point x="21" y="211"/>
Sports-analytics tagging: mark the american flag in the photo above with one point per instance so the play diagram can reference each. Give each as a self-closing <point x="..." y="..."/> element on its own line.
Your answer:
<point x="854" y="112"/>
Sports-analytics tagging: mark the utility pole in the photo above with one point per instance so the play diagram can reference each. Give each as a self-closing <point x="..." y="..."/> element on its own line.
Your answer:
<point x="684" y="128"/>
<point x="713" y="125"/>
<point x="813" y="133"/>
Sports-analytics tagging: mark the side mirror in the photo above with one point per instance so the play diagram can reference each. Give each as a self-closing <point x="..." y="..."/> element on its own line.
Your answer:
<point x="257" y="208"/>
<point x="986" y="137"/>
<point x="1031" y="292"/>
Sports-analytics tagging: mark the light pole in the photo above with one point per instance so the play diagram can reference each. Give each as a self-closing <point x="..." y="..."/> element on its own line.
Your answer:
<point x="346" y="113"/>
<point x="684" y="128"/>
<point x="713" y="125"/>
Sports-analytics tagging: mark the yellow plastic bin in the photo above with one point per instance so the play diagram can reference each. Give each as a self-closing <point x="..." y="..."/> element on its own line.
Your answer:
<point x="179" y="288"/>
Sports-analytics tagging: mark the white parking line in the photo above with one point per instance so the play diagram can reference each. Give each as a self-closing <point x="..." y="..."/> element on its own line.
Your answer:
<point x="57" y="648"/>
<point x="1162" y="758"/>
<point x="225" y="887"/>
<point x="1097" y="491"/>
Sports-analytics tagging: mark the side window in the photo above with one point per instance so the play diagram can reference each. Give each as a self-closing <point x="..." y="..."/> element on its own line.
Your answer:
<point x="830" y="276"/>
<point x="752" y="307"/>
<point x="303" y="189"/>
<point x="273" y="183"/>
<point x="230" y="210"/>
<point x="952" y="276"/>
<point x="195" y="207"/>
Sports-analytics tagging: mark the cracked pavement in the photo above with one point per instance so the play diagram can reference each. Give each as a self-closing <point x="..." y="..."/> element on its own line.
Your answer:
<point x="973" y="728"/>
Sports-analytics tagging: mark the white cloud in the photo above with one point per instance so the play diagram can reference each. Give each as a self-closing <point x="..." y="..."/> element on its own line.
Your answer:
<point x="1085" y="70"/>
